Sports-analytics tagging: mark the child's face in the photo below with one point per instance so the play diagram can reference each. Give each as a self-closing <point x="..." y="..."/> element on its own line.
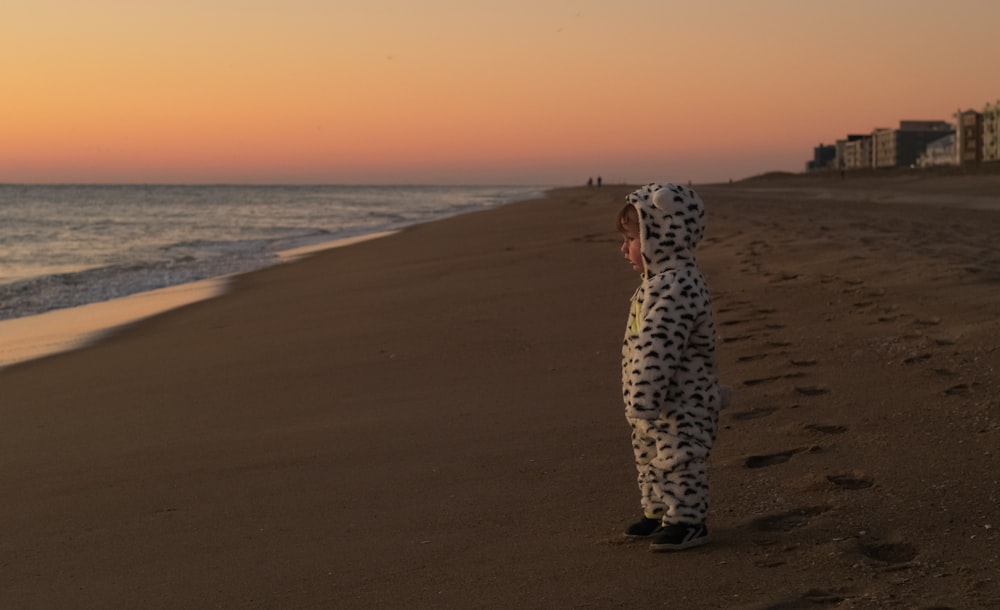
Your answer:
<point x="631" y="246"/>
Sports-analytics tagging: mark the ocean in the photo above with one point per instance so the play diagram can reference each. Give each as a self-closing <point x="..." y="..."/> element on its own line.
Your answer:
<point x="68" y="245"/>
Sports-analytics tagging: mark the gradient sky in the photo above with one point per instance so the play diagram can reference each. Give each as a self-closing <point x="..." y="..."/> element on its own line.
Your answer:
<point x="470" y="91"/>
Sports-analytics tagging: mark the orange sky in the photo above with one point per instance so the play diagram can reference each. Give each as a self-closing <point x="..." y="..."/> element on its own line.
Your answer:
<point x="470" y="91"/>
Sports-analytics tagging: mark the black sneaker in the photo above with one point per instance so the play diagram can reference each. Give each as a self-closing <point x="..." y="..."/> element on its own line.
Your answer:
<point x="642" y="528"/>
<point x="679" y="536"/>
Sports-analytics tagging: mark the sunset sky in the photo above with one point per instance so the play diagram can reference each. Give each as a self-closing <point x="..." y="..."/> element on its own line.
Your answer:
<point x="470" y="91"/>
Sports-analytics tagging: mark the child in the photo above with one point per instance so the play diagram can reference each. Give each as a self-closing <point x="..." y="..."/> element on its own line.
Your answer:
<point x="669" y="378"/>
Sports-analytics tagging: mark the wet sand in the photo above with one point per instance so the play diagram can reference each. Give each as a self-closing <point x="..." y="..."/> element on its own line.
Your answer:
<point x="59" y="330"/>
<point x="433" y="419"/>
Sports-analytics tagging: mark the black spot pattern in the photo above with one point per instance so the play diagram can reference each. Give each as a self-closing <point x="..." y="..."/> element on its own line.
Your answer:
<point x="670" y="383"/>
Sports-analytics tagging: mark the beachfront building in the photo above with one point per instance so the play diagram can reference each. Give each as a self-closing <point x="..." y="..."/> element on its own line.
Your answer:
<point x="841" y="160"/>
<point x="913" y="137"/>
<point x="903" y="146"/>
<point x="849" y="160"/>
<point x="884" y="147"/>
<point x="858" y="152"/>
<point x="991" y="132"/>
<point x="969" y="140"/>
<point x="824" y="157"/>
<point x="939" y="152"/>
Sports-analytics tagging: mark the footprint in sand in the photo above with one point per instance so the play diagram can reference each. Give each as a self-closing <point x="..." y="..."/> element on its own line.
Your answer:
<point x="785" y="277"/>
<point x="733" y="322"/>
<point x="753" y="413"/>
<point x="811" y="390"/>
<point x="770" y="459"/>
<point x="804" y="362"/>
<point x="850" y="481"/>
<point x="813" y="598"/>
<point x="889" y="314"/>
<point x="826" y="428"/>
<point x="737" y="338"/>
<point x="916" y="359"/>
<point x="889" y="552"/>
<point x="789" y="520"/>
<point x="753" y="382"/>
<point x="957" y="390"/>
<point x="751" y="357"/>
<point x="759" y="381"/>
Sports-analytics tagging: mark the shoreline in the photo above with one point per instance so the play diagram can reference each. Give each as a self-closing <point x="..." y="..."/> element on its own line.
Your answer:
<point x="434" y="419"/>
<point x="52" y="332"/>
<point x="37" y="336"/>
<point x="217" y="248"/>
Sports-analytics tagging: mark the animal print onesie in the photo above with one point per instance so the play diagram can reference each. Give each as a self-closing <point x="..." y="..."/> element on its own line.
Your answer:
<point x="669" y="378"/>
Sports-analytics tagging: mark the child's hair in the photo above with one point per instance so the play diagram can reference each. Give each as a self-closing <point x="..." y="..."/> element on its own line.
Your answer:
<point x="628" y="217"/>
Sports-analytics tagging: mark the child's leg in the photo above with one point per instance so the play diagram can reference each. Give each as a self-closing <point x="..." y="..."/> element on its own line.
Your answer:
<point x="644" y="446"/>
<point x="677" y="476"/>
<point x="684" y="491"/>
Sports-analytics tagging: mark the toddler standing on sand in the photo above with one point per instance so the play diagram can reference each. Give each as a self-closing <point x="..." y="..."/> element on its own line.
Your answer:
<point x="669" y="379"/>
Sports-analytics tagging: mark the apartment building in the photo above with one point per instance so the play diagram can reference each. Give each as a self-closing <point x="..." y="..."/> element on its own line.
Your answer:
<point x="824" y="157"/>
<point x="969" y="132"/>
<point x="902" y="147"/>
<point x="841" y="159"/>
<point x="974" y="137"/>
<point x="913" y="137"/>
<point x="939" y="152"/>
<point x="884" y="147"/>
<point x="991" y="131"/>
<point x="858" y="152"/>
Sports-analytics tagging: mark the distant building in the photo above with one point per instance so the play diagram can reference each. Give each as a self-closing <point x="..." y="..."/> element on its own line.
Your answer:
<point x="939" y="152"/>
<point x="824" y="157"/>
<point x="969" y="132"/>
<point x="991" y="132"/>
<point x="842" y="149"/>
<point x="884" y="147"/>
<point x="903" y="146"/>
<point x="912" y="139"/>
<point x="858" y="152"/>
<point x="973" y="138"/>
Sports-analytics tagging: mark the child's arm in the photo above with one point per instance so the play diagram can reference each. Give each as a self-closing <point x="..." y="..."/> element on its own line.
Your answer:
<point x="664" y="325"/>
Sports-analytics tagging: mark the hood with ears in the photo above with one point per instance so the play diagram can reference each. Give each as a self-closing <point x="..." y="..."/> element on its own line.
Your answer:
<point x="671" y="222"/>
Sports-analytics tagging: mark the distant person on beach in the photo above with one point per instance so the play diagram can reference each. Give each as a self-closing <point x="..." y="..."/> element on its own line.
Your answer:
<point x="590" y="182"/>
<point x="670" y="382"/>
<point x="599" y="181"/>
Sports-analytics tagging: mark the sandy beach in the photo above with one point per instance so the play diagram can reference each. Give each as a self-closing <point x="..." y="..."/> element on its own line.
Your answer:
<point x="59" y="330"/>
<point x="432" y="419"/>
